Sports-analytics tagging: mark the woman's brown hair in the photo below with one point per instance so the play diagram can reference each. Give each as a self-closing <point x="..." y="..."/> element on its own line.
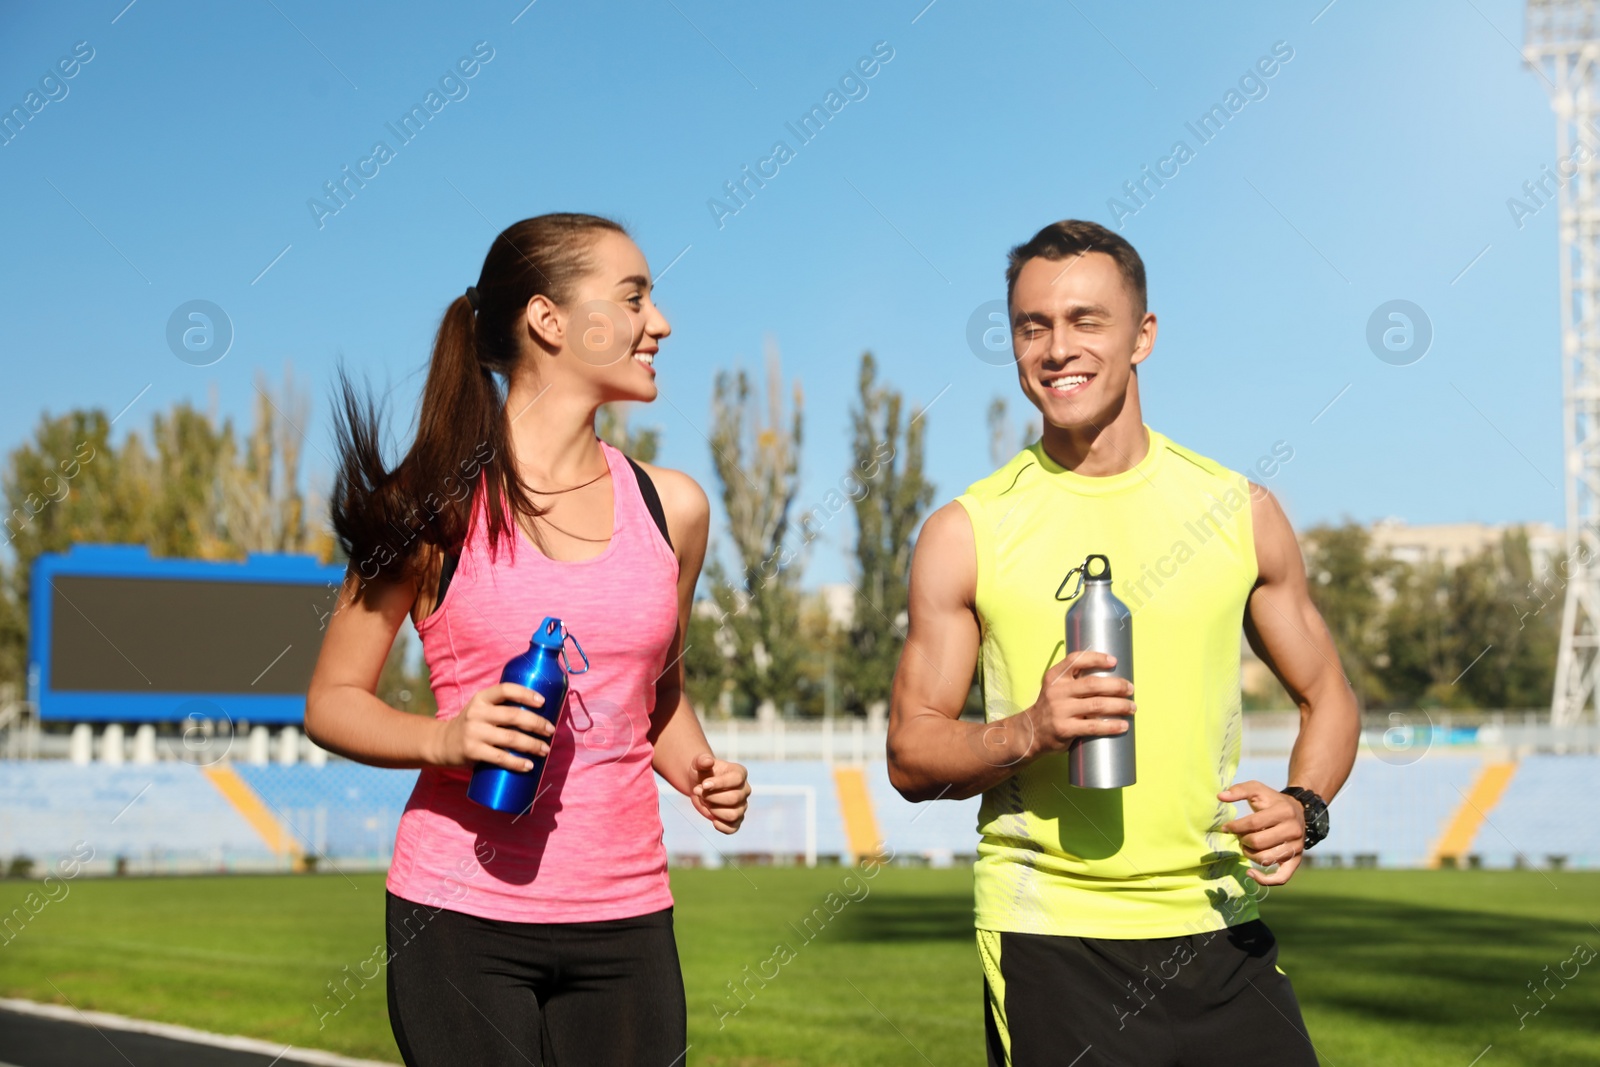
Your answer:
<point x="383" y="516"/>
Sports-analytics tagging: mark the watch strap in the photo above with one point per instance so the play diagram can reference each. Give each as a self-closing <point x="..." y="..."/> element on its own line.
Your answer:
<point x="1316" y="812"/>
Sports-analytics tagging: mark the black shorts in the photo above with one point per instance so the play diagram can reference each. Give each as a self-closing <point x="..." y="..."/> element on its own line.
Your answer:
<point x="1214" y="998"/>
<point x="466" y="990"/>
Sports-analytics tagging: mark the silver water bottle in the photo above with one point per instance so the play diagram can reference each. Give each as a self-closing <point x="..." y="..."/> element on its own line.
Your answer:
<point x="1099" y="622"/>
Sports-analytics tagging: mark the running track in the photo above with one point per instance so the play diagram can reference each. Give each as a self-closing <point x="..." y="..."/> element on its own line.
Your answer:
<point x="48" y="1035"/>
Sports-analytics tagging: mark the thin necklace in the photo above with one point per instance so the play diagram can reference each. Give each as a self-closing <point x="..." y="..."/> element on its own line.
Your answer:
<point x="570" y="488"/>
<point x="558" y="529"/>
<point x="575" y="537"/>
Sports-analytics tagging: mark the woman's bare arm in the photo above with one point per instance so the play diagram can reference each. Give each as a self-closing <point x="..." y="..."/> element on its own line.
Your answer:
<point x="344" y="714"/>
<point x="682" y="755"/>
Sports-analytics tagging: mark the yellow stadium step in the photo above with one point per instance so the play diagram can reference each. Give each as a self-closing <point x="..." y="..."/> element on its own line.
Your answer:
<point x="860" y="824"/>
<point x="255" y="812"/>
<point x="1474" y="810"/>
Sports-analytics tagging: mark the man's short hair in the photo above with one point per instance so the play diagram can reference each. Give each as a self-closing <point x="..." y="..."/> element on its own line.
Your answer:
<point x="1072" y="237"/>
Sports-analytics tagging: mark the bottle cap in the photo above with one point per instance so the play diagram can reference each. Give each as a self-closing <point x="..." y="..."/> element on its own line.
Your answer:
<point x="1085" y="572"/>
<point x="553" y="636"/>
<point x="549" y="634"/>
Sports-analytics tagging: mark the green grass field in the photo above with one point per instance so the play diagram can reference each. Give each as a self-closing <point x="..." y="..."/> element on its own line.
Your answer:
<point x="1417" y="968"/>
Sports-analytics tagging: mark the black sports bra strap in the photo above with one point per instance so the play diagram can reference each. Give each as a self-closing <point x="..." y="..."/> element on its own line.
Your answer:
<point x="652" y="499"/>
<point x="652" y="502"/>
<point x="447" y="570"/>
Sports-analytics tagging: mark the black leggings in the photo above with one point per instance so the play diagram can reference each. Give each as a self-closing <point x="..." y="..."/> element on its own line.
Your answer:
<point x="468" y="990"/>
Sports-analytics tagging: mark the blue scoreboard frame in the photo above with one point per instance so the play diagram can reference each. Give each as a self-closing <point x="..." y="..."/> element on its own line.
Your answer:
<point x="321" y="582"/>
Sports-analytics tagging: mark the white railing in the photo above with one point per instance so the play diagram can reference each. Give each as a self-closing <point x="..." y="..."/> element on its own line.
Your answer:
<point x="1404" y="734"/>
<point x="849" y="741"/>
<point x="852" y="741"/>
<point x="855" y="742"/>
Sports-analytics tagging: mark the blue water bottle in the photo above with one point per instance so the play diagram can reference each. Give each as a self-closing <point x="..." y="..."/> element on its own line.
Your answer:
<point x="544" y="669"/>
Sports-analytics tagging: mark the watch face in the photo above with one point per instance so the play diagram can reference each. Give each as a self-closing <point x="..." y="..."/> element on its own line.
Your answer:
<point x="1316" y="814"/>
<point x="1319" y="822"/>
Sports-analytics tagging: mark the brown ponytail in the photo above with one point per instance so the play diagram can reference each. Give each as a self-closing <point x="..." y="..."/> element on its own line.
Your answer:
<point x="384" y="516"/>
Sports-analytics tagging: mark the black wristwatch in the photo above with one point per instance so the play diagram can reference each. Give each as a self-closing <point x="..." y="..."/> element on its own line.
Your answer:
<point x="1316" y="813"/>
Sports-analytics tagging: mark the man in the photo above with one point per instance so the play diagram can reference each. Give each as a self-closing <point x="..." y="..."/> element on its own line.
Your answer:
<point x="1117" y="926"/>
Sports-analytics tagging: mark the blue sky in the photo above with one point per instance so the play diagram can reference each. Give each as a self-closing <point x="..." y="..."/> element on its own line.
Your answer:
<point x="1373" y="165"/>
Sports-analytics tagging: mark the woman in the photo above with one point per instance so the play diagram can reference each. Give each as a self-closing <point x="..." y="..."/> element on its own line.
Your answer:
<point x="545" y="936"/>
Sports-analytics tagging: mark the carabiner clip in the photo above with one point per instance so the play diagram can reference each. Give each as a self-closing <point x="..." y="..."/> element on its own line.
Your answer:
<point x="1078" y="570"/>
<point x="566" y="661"/>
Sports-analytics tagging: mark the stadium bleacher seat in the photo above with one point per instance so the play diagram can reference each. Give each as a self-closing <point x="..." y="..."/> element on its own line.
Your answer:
<point x="1548" y="810"/>
<point x="160" y="817"/>
<point x="167" y="817"/>
<point x="1394" y="812"/>
<point x="341" y="810"/>
<point x="937" y="830"/>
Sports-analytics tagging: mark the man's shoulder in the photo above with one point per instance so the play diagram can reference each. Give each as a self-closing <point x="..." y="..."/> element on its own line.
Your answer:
<point x="1201" y="464"/>
<point x="1007" y="478"/>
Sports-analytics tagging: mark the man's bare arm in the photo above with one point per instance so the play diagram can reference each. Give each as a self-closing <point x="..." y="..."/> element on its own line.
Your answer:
<point x="1287" y="632"/>
<point x="932" y="753"/>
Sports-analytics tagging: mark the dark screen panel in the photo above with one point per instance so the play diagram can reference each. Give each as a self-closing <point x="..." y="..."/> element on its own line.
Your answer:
<point x="172" y="636"/>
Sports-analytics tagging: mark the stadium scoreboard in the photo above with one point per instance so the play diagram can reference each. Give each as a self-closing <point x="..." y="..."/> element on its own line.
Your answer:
<point x="118" y="635"/>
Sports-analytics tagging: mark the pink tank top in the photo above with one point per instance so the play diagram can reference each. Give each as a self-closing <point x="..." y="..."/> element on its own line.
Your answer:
<point x="590" y="848"/>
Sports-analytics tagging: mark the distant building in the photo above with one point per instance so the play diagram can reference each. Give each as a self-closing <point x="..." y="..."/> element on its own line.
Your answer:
<point x="1450" y="543"/>
<point x="1453" y="543"/>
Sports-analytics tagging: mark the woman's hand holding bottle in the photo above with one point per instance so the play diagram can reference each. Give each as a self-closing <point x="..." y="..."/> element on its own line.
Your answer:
<point x="489" y="726"/>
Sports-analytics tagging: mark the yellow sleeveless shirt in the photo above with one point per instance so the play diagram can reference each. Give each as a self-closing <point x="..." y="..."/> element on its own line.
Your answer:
<point x="1147" y="860"/>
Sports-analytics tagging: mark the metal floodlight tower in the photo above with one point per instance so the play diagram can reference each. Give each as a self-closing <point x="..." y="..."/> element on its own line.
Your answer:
<point x="1563" y="46"/>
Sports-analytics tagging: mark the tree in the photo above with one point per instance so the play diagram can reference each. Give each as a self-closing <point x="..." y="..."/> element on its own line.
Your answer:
<point x="707" y="651"/>
<point x="192" y="456"/>
<point x="1534" y="635"/>
<point x="13" y="632"/>
<point x="263" y="508"/>
<point x="187" y="494"/>
<point x="1344" y="582"/>
<point x="893" y="496"/>
<point x="69" y="485"/>
<point x="825" y="656"/>
<point x="404" y="682"/>
<point x="1506" y="658"/>
<point x="1421" y="647"/>
<point x="1002" y="433"/>
<point x="611" y="426"/>
<point x="757" y="460"/>
<point x="1459" y="637"/>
